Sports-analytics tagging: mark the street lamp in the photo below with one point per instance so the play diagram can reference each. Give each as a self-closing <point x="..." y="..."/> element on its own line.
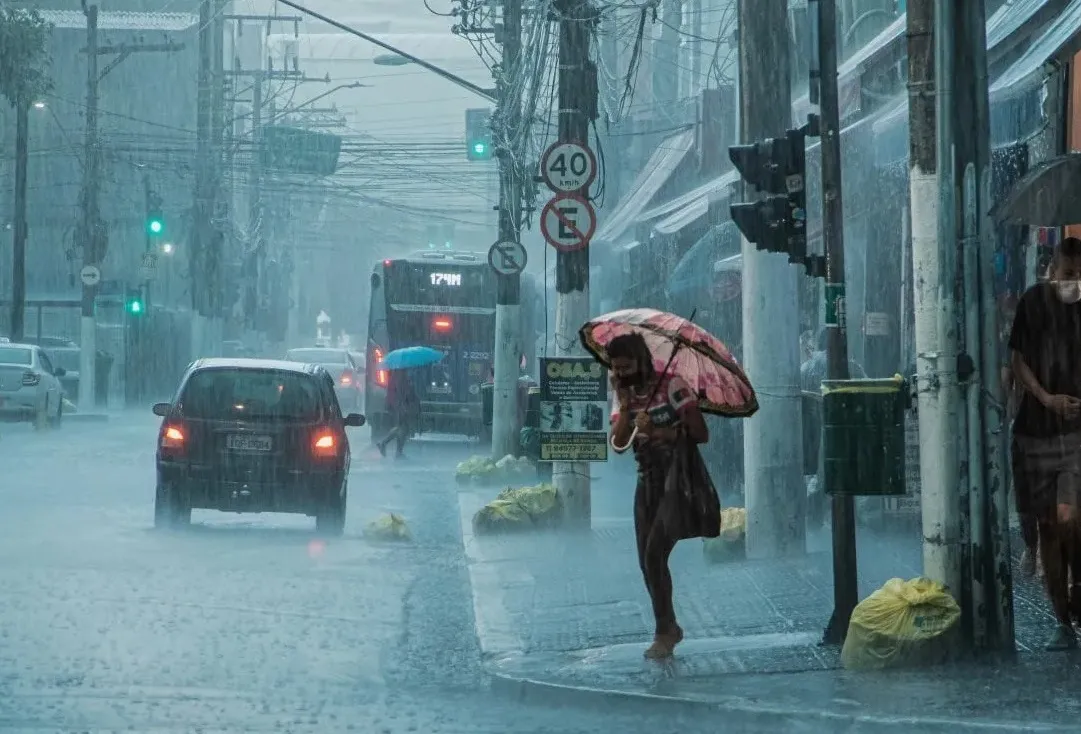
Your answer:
<point x="39" y="105"/>
<point x="390" y="60"/>
<point x="167" y="248"/>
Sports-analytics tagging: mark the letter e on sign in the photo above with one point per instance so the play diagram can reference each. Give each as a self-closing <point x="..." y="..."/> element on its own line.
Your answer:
<point x="568" y="222"/>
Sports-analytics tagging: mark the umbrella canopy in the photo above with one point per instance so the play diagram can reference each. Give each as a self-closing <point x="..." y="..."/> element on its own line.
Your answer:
<point x="702" y="360"/>
<point x="408" y="358"/>
<point x="1047" y="196"/>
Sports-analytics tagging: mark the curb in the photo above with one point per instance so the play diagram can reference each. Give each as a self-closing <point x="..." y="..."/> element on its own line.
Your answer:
<point x="739" y="712"/>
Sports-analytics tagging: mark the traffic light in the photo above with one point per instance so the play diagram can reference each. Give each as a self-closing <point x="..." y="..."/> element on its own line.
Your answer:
<point x="155" y="221"/>
<point x="778" y="222"/>
<point x="478" y="134"/>
<point x="133" y="303"/>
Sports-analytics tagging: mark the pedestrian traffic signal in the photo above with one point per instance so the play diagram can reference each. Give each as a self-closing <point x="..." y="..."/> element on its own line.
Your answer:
<point x="778" y="222"/>
<point x="478" y="134"/>
<point x="134" y="305"/>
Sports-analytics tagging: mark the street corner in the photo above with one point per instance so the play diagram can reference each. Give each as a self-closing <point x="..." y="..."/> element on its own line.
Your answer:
<point x="619" y="678"/>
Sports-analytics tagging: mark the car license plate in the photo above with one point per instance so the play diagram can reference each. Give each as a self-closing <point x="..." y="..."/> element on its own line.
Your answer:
<point x="247" y="442"/>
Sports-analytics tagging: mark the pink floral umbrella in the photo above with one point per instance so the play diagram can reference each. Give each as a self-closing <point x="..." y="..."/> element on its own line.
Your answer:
<point x="701" y="359"/>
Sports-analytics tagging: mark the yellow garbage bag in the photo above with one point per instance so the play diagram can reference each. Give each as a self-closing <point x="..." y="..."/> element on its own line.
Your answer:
<point x="387" y="527"/>
<point x="731" y="544"/>
<point x="905" y="623"/>
<point x="520" y="508"/>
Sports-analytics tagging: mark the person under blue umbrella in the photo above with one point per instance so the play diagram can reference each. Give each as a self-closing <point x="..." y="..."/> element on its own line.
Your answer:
<point x="403" y="405"/>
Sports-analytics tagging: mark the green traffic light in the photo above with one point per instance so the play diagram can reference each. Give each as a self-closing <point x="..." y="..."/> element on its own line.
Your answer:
<point x="156" y="226"/>
<point x="135" y="306"/>
<point x="479" y="148"/>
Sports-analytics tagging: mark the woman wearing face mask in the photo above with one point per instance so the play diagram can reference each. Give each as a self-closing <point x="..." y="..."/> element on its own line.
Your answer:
<point x="1045" y="353"/>
<point x="653" y="421"/>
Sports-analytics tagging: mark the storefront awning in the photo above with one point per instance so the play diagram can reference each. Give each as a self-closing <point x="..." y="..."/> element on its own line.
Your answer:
<point x="1006" y="21"/>
<point x="676" y="214"/>
<point x="1059" y="41"/>
<point x="848" y="73"/>
<point x="660" y="166"/>
<point x="1009" y="18"/>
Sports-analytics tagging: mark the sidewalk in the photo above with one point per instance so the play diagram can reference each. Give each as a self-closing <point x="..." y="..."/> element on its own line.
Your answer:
<point x="566" y="614"/>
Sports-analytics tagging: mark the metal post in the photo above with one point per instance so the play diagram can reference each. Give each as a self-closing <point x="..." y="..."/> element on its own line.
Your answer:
<point x="572" y="268"/>
<point x="776" y="497"/>
<point x="939" y="411"/>
<point x="508" y="333"/>
<point x="845" y="586"/>
<point x="18" y="259"/>
<point x="92" y="233"/>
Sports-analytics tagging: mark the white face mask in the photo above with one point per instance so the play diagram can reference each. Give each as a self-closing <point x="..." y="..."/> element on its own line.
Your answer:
<point x="1069" y="291"/>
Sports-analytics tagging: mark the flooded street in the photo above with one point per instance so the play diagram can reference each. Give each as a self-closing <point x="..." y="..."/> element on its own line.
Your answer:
<point x="240" y="623"/>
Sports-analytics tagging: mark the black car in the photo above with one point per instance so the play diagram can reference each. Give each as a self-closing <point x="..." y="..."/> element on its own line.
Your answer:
<point x="252" y="435"/>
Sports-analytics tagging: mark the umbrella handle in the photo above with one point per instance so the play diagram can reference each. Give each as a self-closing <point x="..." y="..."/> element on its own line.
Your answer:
<point x="624" y="447"/>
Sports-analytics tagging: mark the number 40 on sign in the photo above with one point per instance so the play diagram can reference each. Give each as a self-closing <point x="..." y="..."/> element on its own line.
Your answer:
<point x="568" y="167"/>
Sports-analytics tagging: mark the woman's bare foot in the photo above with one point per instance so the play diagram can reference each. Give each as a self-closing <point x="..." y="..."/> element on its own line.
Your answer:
<point x="664" y="645"/>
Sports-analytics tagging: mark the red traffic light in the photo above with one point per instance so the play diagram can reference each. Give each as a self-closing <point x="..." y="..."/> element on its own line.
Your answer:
<point x="442" y="324"/>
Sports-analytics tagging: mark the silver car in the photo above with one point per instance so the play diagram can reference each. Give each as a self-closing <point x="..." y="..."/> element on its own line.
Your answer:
<point x="29" y="385"/>
<point x="348" y="374"/>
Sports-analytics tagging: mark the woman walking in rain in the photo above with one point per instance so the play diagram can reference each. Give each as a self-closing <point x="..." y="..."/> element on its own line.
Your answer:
<point x="402" y="404"/>
<point x="654" y="414"/>
<point x="1045" y="347"/>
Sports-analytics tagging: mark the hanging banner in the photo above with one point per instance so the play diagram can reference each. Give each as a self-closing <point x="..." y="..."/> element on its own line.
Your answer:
<point x="573" y="409"/>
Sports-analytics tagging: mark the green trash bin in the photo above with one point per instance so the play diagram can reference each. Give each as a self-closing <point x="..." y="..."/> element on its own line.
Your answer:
<point x="863" y="436"/>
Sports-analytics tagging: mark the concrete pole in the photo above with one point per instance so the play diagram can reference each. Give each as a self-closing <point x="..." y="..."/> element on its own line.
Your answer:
<point x="218" y="208"/>
<point x="508" y="322"/>
<point x="773" y="452"/>
<point x="576" y="19"/>
<point x="200" y="240"/>
<point x="931" y="176"/>
<point x="92" y="228"/>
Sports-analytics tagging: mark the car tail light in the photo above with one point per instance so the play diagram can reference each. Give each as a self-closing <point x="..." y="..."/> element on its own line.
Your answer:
<point x="30" y="379"/>
<point x="172" y="436"/>
<point x="380" y="375"/>
<point x="346" y="378"/>
<point x="325" y="443"/>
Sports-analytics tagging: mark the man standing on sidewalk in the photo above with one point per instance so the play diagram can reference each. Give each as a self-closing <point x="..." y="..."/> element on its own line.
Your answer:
<point x="1045" y="353"/>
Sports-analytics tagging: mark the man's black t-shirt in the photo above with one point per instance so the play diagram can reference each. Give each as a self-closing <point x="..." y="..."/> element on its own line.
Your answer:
<point x="1047" y="334"/>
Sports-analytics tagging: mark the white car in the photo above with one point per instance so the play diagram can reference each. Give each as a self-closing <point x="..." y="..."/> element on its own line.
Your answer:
<point x="29" y="388"/>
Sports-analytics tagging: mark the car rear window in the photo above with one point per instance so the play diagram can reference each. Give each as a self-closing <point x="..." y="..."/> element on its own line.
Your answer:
<point x="317" y="356"/>
<point x="231" y="394"/>
<point x="15" y="355"/>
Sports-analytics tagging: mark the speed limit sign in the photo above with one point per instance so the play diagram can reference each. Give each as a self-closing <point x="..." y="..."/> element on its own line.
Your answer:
<point x="568" y="167"/>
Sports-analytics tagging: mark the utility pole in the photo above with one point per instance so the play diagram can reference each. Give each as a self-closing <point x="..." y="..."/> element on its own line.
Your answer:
<point x="214" y="254"/>
<point x="508" y="332"/>
<point x="933" y="274"/>
<point x="203" y="205"/>
<point x="91" y="230"/>
<point x="92" y="235"/>
<point x="1001" y="633"/>
<point x="989" y="593"/>
<point x="18" y="259"/>
<point x="845" y="583"/>
<point x="774" y="488"/>
<point x="577" y="108"/>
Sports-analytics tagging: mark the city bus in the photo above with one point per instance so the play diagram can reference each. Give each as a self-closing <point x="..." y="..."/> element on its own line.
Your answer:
<point x="446" y="300"/>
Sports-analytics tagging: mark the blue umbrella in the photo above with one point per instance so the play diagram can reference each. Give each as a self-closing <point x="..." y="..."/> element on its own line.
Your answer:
<point x="410" y="357"/>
